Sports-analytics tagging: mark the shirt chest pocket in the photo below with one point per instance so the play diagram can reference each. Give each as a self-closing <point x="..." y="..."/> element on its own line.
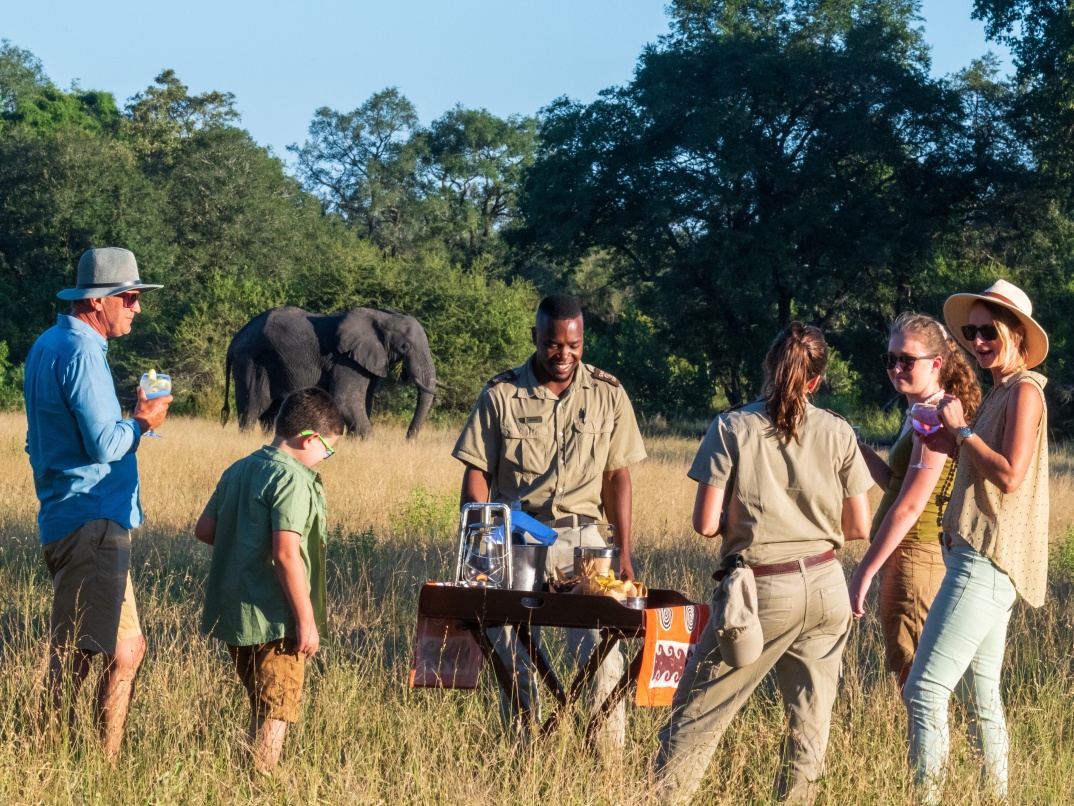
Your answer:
<point x="591" y="442"/>
<point x="528" y="448"/>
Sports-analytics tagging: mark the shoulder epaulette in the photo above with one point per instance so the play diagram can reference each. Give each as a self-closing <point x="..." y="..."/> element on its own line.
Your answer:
<point x="732" y="408"/>
<point x="509" y="375"/>
<point x="836" y="414"/>
<point x="601" y="375"/>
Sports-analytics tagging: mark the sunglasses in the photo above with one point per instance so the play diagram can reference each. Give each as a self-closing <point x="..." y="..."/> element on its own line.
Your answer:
<point x="130" y="298"/>
<point x="328" y="449"/>
<point x="892" y="361"/>
<point x="988" y="332"/>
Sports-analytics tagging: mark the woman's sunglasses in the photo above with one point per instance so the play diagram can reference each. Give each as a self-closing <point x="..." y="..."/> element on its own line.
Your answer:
<point x="988" y="332"/>
<point x="891" y="360"/>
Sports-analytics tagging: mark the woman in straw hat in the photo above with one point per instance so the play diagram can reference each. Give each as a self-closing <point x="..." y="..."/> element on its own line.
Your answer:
<point x="795" y="487"/>
<point x="922" y="361"/>
<point x="995" y="534"/>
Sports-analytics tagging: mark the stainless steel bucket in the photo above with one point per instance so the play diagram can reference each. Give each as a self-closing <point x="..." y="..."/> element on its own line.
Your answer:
<point x="528" y="567"/>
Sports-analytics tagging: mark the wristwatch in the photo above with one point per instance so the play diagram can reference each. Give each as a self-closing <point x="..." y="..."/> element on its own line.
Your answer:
<point x="964" y="433"/>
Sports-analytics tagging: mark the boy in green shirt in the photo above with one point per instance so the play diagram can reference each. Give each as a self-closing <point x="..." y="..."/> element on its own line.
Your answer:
<point x="265" y="596"/>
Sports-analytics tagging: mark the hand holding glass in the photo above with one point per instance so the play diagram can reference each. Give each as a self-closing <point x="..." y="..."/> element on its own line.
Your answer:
<point x="155" y="385"/>
<point x="925" y="419"/>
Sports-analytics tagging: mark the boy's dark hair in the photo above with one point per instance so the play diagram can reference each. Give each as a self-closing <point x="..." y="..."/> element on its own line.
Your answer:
<point x="309" y="410"/>
<point x="560" y="307"/>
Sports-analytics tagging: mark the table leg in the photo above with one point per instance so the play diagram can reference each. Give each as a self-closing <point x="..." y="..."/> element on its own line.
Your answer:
<point x="544" y="669"/>
<point x="608" y="640"/>
<point x="504" y="676"/>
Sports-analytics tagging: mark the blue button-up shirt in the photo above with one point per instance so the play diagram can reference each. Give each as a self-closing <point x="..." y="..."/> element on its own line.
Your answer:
<point x="81" y="450"/>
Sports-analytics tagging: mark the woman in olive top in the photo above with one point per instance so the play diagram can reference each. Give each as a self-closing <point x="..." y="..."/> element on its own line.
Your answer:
<point x="995" y="535"/>
<point x="922" y="362"/>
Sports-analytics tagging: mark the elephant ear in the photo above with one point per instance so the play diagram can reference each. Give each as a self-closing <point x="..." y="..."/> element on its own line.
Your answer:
<point x="361" y="337"/>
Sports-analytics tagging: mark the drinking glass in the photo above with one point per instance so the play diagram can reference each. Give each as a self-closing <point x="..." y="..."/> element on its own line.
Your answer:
<point x="155" y="385"/>
<point x="925" y="420"/>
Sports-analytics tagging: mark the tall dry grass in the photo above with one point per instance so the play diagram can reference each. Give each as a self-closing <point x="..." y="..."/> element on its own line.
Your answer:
<point x="366" y="738"/>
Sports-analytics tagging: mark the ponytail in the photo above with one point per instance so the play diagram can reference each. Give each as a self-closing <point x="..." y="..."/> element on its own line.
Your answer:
<point x="798" y="355"/>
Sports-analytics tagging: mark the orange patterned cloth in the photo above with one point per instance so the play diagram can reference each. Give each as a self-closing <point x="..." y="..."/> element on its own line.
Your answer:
<point x="671" y="633"/>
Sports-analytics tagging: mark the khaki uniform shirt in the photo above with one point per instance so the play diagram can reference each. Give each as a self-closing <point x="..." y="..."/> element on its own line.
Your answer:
<point x="1010" y="529"/>
<point x="551" y="452"/>
<point x="783" y="501"/>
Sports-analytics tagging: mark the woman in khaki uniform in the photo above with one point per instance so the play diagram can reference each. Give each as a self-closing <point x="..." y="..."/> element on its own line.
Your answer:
<point x="792" y="485"/>
<point x="923" y="362"/>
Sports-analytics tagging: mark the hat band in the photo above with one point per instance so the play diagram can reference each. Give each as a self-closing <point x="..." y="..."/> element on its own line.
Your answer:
<point x="124" y="284"/>
<point x="1004" y="300"/>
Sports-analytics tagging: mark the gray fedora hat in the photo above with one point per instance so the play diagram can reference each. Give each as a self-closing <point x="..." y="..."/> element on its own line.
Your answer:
<point x="104" y="272"/>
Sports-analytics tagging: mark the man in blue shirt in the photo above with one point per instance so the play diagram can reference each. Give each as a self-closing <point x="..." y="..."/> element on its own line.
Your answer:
<point x="82" y="452"/>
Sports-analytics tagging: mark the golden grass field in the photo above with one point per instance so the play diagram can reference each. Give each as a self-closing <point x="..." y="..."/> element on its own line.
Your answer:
<point x="366" y="738"/>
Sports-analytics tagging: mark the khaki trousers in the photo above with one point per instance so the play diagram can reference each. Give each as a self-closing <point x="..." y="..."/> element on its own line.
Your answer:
<point x="580" y="645"/>
<point x="806" y="619"/>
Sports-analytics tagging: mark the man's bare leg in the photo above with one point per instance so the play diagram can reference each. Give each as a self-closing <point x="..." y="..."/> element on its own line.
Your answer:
<point x="266" y="743"/>
<point x="114" y="689"/>
<point x="66" y="667"/>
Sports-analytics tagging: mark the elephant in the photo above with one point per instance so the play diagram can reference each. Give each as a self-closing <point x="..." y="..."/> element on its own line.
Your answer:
<point x="345" y="353"/>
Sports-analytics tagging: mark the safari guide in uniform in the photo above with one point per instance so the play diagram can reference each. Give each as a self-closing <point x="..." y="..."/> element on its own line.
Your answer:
<point x="558" y="436"/>
<point x="82" y="451"/>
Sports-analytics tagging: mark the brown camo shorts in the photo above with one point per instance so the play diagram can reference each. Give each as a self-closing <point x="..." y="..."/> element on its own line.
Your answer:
<point x="272" y="674"/>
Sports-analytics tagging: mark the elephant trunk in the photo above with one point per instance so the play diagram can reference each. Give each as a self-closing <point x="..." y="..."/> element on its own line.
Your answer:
<point x="425" y="403"/>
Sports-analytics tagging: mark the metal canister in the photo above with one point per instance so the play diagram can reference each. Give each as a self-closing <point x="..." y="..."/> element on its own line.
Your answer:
<point x="598" y="558"/>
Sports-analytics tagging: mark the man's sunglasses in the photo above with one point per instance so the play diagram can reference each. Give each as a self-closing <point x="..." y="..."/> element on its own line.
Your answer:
<point x="891" y="361"/>
<point x="130" y="298"/>
<point x="328" y="449"/>
<point x="988" y="332"/>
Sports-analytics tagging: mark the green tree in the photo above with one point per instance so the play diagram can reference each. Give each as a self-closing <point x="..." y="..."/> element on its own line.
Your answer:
<point x="21" y="75"/>
<point x="472" y="163"/>
<point x="360" y="164"/>
<point x="770" y="160"/>
<point x="159" y="118"/>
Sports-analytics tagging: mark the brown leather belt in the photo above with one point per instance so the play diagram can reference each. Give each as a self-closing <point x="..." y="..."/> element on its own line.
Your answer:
<point x="794" y="566"/>
<point x="571" y="521"/>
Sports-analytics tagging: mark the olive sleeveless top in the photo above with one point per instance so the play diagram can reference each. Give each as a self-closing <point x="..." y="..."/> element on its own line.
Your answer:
<point x="927" y="529"/>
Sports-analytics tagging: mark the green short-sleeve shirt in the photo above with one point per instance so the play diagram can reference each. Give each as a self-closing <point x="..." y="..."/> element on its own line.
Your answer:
<point x="267" y="491"/>
<point x="784" y="500"/>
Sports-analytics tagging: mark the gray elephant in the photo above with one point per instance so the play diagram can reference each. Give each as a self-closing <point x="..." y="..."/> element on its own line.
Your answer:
<point x="345" y="354"/>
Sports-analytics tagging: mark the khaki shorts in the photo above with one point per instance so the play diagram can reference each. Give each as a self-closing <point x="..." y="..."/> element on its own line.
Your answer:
<point x="909" y="581"/>
<point x="272" y="674"/>
<point x="93" y="600"/>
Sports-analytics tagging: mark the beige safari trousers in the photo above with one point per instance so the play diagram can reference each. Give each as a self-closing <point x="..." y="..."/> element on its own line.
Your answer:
<point x="805" y="617"/>
<point x="580" y="645"/>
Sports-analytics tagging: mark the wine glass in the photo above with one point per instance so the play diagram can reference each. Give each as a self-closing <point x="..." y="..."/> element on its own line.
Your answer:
<point x="155" y="385"/>
<point x="925" y="420"/>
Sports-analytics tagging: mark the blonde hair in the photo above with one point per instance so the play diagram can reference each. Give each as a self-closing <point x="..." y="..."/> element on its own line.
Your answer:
<point x="1015" y="351"/>
<point x="957" y="375"/>
<point x="797" y="355"/>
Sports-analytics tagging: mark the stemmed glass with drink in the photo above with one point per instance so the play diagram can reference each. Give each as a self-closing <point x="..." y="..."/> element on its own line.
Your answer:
<point x="155" y="384"/>
<point x="925" y="420"/>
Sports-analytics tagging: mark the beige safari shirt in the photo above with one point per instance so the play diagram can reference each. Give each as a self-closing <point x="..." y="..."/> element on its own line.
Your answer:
<point x="1010" y="529"/>
<point x="784" y="501"/>
<point x="550" y="452"/>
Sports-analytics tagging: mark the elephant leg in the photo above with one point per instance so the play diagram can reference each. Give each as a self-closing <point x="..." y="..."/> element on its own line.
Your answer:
<point x="370" y="389"/>
<point x="268" y="417"/>
<point x="251" y="396"/>
<point x="352" y="394"/>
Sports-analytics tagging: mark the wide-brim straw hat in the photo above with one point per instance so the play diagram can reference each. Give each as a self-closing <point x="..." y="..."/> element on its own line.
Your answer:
<point x="104" y="272"/>
<point x="956" y="313"/>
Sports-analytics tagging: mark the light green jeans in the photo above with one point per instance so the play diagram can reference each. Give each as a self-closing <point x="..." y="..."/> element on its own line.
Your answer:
<point x="961" y="652"/>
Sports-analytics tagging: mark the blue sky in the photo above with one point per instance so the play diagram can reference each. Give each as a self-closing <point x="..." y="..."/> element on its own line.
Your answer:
<point x="283" y="60"/>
